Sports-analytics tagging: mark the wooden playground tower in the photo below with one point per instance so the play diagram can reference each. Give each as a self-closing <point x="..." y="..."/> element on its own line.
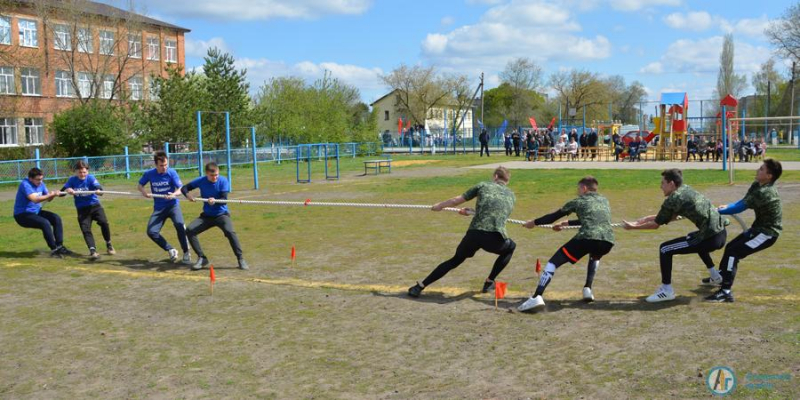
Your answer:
<point x="671" y="126"/>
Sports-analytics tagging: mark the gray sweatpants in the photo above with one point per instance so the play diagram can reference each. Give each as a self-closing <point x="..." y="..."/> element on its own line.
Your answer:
<point x="203" y="223"/>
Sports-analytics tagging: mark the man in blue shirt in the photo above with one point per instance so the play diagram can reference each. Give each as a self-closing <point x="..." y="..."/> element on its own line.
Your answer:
<point x="165" y="182"/>
<point x="212" y="187"/>
<point x="84" y="187"/>
<point x="28" y="212"/>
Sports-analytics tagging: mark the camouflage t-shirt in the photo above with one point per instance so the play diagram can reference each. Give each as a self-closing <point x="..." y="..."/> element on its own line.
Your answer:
<point x="695" y="207"/>
<point x="765" y="202"/>
<point x="594" y="213"/>
<point x="494" y="205"/>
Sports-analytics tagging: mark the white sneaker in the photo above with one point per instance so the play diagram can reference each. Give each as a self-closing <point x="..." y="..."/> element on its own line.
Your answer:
<point x="587" y="294"/>
<point x="187" y="258"/>
<point x="173" y="255"/>
<point x="661" y="294"/>
<point x="531" y="303"/>
<point x="712" y="281"/>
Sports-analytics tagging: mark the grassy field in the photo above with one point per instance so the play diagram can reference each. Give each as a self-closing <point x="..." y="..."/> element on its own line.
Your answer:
<point x="338" y="324"/>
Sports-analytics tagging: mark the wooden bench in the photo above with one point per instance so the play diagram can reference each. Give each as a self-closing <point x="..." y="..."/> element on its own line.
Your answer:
<point x="376" y="165"/>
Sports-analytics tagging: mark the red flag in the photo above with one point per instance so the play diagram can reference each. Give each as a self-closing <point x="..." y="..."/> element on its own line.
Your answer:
<point x="500" y="290"/>
<point x="399" y="126"/>
<point x="211" y="274"/>
<point x="538" y="267"/>
<point x="294" y="254"/>
<point x="408" y="123"/>
<point x="552" y="122"/>
<point x="533" y="123"/>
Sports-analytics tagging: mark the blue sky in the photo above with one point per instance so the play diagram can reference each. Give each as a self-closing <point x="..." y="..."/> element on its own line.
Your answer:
<point x="668" y="45"/>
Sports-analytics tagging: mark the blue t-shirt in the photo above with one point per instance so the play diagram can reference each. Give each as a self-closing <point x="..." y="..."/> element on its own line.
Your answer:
<point x="22" y="204"/>
<point x="89" y="184"/>
<point x="163" y="184"/>
<point x="208" y="189"/>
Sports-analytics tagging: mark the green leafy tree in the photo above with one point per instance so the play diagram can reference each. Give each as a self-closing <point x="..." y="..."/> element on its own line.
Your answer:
<point x="91" y="129"/>
<point x="225" y="88"/>
<point x="172" y="118"/>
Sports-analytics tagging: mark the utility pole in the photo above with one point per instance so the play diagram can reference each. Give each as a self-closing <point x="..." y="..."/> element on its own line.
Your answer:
<point x="483" y="121"/>
<point x="766" y="112"/>
<point x="791" y="107"/>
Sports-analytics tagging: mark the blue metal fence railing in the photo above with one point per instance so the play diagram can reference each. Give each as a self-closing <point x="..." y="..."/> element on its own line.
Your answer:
<point x="14" y="171"/>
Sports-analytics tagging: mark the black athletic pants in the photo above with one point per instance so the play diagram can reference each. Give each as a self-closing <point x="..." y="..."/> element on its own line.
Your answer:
<point x="485" y="146"/>
<point x="689" y="245"/>
<point x="204" y="223"/>
<point x="742" y="246"/>
<point x="49" y="223"/>
<point x="474" y="240"/>
<point x="91" y="213"/>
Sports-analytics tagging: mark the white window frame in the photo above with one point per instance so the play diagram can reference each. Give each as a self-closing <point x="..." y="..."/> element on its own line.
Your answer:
<point x="85" y="40"/>
<point x="85" y="85"/>
<point x="30" y="81"/>
<point x="106" y="43"/>
<point x="171" y="50"/>
<point x="153" y="49"/>
<point x="108" y="87"/>
<point x="135" y="45"/>
<point x="62" y="37"/>
<point x="8" y="130"/>
<point x="64" y="84"/>
<point x="136" y="88"/>
<point x="28" y="32"/>
<point x="34" y="126"/>
<point x="5" y="29"/>
<point x="7" y="78"/>
<point x="153" y="89"/>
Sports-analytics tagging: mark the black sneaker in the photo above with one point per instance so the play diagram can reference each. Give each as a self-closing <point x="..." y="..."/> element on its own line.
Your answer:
<point x="711" y="282"/>
<point x="487" y="286"/>
<point x="415" y="290"/>
<point x="243" y="264"/>
<point x="721" y="297"/>
<point x="201" y="263"/>
<point x="66" y="252"/>
<point x="56" y="253"/>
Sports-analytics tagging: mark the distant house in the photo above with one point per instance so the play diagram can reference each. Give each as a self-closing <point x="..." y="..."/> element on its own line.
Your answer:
<point x="435" y="120"/>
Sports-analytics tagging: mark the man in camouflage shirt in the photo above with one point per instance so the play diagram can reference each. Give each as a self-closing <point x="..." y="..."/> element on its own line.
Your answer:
<point x="595" y="238"/>
<point x="487" y="230"/>
<point x="763" y="198"/>
<point x="686" y="202"/>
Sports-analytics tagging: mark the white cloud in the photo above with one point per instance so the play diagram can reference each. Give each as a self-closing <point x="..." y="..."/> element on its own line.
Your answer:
<point x="652" y="68"/>
<point x="199" y="48"/>
<point x="635" y="5"/>
<point x="448" y="20"/>
<point x="702" y="57"/>
<point x="695" y="21"/>
<point x="702" y="20"/>
<point x="237" y="10"/>
<point x="521" y="28"/>
<point x="261" y="70"/>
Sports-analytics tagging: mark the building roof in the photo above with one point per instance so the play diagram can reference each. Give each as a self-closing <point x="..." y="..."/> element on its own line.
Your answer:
<point x="108" y="11"/>
<point x="474" y="105"/>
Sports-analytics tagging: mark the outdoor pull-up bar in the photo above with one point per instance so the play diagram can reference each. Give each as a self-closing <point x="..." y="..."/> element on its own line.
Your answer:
<point x="227" y="142"/>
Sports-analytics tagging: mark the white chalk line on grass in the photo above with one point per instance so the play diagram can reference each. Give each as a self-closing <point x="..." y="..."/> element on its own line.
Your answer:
<point x="202" y="276"/>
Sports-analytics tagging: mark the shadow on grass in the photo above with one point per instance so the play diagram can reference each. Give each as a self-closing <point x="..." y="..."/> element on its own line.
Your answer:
<point x="432" y="297"/>
<point x="142" y="265"/>
<point x="19" y="254"/>
<point x="598" y="305"/>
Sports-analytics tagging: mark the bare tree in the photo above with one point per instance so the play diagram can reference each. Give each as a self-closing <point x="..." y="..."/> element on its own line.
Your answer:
<point x="98" y="54"/>
<point x="728" y="82"/>
<point x="784" y="33"/>
<point x="417" y="90"/>
<point x="578" y="88"/>
<point x="524" y="77"/>
<point x="461" y="96"/>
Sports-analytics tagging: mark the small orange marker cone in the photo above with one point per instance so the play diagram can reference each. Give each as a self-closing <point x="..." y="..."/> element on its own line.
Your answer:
<point x="538" y="267"/>
<point x="294" y="255"/>
<point x="212" y="277"/>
